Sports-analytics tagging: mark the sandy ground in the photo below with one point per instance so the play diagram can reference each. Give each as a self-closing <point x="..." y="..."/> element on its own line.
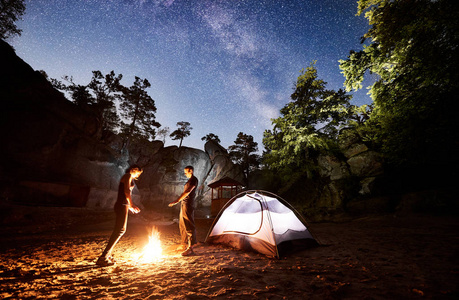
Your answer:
<point x="51" y="254"/>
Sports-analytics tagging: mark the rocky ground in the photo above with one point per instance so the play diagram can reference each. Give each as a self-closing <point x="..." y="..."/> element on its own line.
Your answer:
<point x="50" y="253"/>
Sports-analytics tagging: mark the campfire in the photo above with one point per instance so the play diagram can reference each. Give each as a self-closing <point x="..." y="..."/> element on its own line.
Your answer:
<point x="152" y="252"/>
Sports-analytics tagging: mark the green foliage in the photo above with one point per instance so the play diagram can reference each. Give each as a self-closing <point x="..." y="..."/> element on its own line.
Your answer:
<point x="181" y="132"/>
<point x="413" y="50"/>
<point x="243" y="153"/>
<point x="309" y="124"/>
<point x="10" y="12"/>
<point x="211" y="137"/>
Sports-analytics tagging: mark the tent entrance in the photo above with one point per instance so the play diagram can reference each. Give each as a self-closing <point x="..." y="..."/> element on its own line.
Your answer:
<point x="247" y="218"/>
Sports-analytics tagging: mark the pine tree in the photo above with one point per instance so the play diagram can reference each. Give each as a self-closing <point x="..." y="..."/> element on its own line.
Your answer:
<point x="181" y="132"/>
<point x="139" y="109"/>
<point x="243" y="153"/>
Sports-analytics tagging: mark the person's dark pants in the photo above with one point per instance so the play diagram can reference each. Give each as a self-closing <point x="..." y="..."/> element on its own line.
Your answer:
<point x="121" y="212"/>
<point x="186" y="224"/>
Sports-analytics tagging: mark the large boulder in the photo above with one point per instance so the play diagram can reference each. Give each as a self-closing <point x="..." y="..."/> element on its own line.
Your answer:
<point x="331" y="197"/>
<point x="52" y="148"/>
<point x="222" y="167"/>
<point x="350" y="174"/>
<point x="163" y="178"/>
<point x="354" y="150"/>
<point x="366" y="164"/>
<point x="214" y="149"/>
<point x="330" y="166"/>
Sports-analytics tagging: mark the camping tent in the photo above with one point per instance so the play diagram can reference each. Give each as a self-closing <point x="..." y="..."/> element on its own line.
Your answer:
<point x="260" y="221"/>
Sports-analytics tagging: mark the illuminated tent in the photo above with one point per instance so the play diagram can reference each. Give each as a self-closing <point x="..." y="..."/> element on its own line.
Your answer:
<point x="260" y="221"/>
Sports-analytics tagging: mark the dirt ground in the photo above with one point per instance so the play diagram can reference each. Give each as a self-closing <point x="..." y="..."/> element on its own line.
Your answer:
<point x="50" y="253"/>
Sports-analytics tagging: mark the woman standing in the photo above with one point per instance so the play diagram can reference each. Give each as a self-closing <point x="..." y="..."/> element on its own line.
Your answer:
<point x="122" y="207"/>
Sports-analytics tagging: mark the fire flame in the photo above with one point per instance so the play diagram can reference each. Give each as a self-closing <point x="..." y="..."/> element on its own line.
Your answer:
<point x="152" y="252"/>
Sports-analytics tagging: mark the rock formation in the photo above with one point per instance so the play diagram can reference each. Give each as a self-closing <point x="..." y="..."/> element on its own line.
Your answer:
<point x="51" y="154"/>
<point x="163" y="178"/>
<point x="356" y="170"/>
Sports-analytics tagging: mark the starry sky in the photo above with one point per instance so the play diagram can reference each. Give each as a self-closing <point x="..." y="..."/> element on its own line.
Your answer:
<point x="225" y="66"/>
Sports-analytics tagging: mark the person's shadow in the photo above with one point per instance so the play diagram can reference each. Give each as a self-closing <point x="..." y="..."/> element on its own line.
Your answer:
<point x="20" y="275"/>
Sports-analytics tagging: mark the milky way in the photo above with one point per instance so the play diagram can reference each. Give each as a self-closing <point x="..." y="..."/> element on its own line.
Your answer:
<point x="224" y="66"/>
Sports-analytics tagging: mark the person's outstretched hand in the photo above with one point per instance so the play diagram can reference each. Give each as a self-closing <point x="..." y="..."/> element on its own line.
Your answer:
<point x="134" y="209"/>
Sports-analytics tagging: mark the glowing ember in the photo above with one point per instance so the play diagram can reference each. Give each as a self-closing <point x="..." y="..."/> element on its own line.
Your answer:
<point x="152" y="252"/>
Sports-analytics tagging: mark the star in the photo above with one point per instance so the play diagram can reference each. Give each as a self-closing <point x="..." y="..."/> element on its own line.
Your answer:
<point x="224" y="66"/>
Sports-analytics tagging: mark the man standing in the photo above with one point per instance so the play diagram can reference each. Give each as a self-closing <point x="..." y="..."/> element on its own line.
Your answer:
<point x="186" y="223"/>
<point x="123" y="205"/>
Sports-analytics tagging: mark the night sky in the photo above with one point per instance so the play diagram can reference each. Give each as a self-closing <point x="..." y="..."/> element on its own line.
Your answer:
<point x="224" y="66"/>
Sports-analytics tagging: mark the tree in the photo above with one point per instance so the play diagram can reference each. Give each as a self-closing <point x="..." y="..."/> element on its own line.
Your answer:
<point x="97" y="98"/>
<point x="309" y="124"/>
<point x="182" y="132"/>
<point x="10" y="12"/>
<point x="163" y="133"/>
<point x="211" y="137"/>
<point x="79" y="94"/>
<point x="106" y="89"/>
<point x="139" y="109"/>
<point x="243" y="153"/>
<point x="412" y="48"/>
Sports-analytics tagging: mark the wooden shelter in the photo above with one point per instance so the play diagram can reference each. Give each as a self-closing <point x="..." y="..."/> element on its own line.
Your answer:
<point x="222" y="191"/>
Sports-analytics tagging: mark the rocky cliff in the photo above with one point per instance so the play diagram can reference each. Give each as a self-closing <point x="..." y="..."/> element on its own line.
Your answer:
<point x="354" y="173"/>
<point x="347" y="180"/>
<point x="50" y="154"/>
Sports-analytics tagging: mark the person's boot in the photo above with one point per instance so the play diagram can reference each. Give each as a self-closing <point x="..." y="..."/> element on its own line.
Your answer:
<point x="104" y="261"/>
<point x="189" y="251"/>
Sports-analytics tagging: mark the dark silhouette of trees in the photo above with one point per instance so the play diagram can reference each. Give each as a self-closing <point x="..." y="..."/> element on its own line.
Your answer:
<point x="105" y="89"/>
<point x="163" y="133"/>
<point x="98" y="98"/>
<point x="139" y="109"/>
<point x="211" y="137"/>
<point x="243" y="153"/>
<point x="10" y="12"/>
<point x="181" y="132"/>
